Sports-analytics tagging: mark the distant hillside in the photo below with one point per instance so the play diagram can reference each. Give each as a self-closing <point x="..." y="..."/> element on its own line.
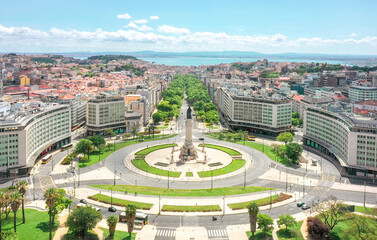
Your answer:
<point x="108" y="58"/>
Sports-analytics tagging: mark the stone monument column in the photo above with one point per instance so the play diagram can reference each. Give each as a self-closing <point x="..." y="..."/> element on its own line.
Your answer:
<point x="188" y="150"/>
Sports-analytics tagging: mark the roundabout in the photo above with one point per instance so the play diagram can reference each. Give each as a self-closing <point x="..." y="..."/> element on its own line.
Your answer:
<point x="213" y="161"/>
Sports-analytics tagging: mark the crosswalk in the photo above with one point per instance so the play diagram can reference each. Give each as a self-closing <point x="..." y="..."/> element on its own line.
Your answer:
<point x="165" y="234"/>
<point x="169" y="234"/>
<point x="217" y="234"/>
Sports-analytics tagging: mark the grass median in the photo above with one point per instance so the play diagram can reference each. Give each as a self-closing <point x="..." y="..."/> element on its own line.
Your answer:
<point x="229" y="151"/>
<point x="120" y="202"/>
<point x="261" y="202"/>
<point x="233" y="166"/>
<point x="95" y="157"/>
<point x="148" y="150"/>
<point x="183" y="192"/>
<point x="204" y="208"/>
<point x="291" y="233"/>
<point x="144" y="166"/>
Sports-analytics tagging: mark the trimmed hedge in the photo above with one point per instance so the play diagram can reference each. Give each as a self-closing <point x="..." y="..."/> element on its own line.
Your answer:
<point x="120" y="202"/>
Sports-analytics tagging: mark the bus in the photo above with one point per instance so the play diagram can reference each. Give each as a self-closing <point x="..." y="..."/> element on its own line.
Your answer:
<point x="46" y="158"/>
<point x="251" y="138"/>
<point x="65" y="147"/>
<point x="140" y="219"/>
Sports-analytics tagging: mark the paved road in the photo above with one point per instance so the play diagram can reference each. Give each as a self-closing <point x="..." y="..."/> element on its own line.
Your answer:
<point x="261" y="164"/>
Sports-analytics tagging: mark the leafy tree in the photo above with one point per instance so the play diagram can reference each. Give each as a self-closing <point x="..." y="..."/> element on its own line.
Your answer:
<point x="164" y="106"/>
<point x="265" y="223"/>
<point x="293" y="151"/>
<point x="199" y="106"/>
<point x="287" y="220"/>
<point x="61" y="203"/>
<point x="285" y="137"/>
<point x="2" y="205"/>
<point x="85" y="146"/>
<point x="317" y="229"/>
<point x="16" y="199"/>
<point x="253" y="209"/>
<point x="50" y="196"/>
<point x="130" y="217"/>
<point x="112" y="223"/>
<point x="97" y="141"/>
<point x="363" y="227"/>
<point x="109" y="132"/>
<point x="82" y="220"/>
<point x="22" y="188"/>
<point x="330" y="211"/>
<point x="157" y="117"/>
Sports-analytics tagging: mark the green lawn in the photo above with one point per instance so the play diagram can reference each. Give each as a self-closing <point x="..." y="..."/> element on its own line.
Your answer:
<point x="291" y="233"/>
<point x="163" y="127"/>
<point x="119" y="235"/>
<point x="260" y="202"/>
<point x="269" y="151"/>
<point x="205" y="208"/>
<point x="361" y="209"/>
<point x="189" y="174"/>
<point x="148" y="150"/>
<point x="259" y="235"/>
<point x="120" y="202"/>
<point x="36" y="224"/>
<point x="229" y="151"/>
<point x="144" y="166"/>
<point x="233" y="166"/>
<point x="182" y="192"/>
<point x="95" y="157"/>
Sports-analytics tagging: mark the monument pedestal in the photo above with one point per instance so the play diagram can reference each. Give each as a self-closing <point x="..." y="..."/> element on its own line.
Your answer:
<point x="188" y="151"/>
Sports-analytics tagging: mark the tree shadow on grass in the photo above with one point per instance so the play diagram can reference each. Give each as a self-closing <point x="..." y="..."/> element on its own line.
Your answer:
<point x="261" y="236"/>
<point x="286" y="233"/>
<point x="45" y="226"/>
<point x="73" y="236"/>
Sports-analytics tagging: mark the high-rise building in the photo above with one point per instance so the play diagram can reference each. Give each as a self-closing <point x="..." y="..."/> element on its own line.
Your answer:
<point x="29" y="133"/>
<point x="350" y="141"/>
<point x="258" y="114"/>
<point x="78" y="109"/>
<point x="361" y="93"/>
<point x="105" y="112"/>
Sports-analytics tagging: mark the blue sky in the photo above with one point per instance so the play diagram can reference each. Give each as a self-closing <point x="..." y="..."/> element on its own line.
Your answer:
<point x="332" y="26"/>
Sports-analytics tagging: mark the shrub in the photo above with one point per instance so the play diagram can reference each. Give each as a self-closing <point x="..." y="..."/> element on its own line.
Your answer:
<point x="9" y="235"/>
<point x="317" y="229"/>
<point x="84" y="159"/>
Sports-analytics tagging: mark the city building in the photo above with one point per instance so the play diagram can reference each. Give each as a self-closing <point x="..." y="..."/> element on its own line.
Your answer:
<point x="78" y="109"/>
<point x="350" y="141"/>
<point x="133" y="120"/>
<point x="362" y="93"/>
<point x="255" y="113"/>
<point x="105" y="112"/>
<point x="29" y="133"/>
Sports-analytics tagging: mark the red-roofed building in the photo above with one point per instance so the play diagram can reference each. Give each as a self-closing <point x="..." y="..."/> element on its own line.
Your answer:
<point x="296" y="106"/>
<point x="340" y="97"/>
<point x="366" y="107"/>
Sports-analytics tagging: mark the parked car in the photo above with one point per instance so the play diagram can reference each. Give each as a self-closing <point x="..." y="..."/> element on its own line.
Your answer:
<point x="305" y="206"/>
<point x="201" y="139"/>
<point x="80" y="205"/>
<point x="83" y="201"/>
<point x="112" y="209"/>
<point x="300" y="204"/>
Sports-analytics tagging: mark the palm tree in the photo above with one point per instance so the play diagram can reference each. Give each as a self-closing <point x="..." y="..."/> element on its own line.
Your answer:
<point x="130" y="218"/>
<point x="15" y="205"/>
<point x="50" y="197"/>
<point x="253" y="213"/>
<point x="134" y="131"/>
<point x="22" y="188"/>
<point x="112" y="222"/>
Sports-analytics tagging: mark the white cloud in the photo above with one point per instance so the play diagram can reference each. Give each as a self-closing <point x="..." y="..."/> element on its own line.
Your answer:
<point x="141" y="21"/>
<point x="132" y="25"/>
<point x="124" y="16"/>
<point x="353" y="35"/>
<point x="173" y="30"/>
<point x="154" y="17"/>
<point x="138" y="37"/>
<point x="142" y="28"/>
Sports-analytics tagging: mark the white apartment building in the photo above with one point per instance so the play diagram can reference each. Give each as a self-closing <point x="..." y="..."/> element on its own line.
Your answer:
<point x="361" y="93"/>
<point x="105" y="112"/>
<point x="257" y="114"/>
<point x="29" y="133"/>
<point x="350" y="141"/>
